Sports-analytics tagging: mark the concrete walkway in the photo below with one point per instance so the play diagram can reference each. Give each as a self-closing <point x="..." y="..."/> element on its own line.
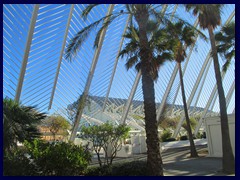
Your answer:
<point x="179" y="144"/>
<point x="176" y="162"/>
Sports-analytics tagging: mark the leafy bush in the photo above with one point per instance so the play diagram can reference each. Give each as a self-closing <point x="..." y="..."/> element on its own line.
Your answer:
<point x="183" y="138"/>
<point x="17" y="164"/>
<point x="165" y="135"/>
<point x="105" y="170"/>
<point x="199" y="135"/>
<point x="133" y="168"/>
<point x="58" y="159"/>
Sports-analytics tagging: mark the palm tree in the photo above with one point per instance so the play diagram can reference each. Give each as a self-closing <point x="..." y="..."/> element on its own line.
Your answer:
<point x="20" y="123"/>
<point x="159" y="54"/>
<point x="226" y="40"/>
<point x="158" y="44"/>
<point x="209" y="16"/>
<point x="181" y="35"/>
<point x="141" y="14"/>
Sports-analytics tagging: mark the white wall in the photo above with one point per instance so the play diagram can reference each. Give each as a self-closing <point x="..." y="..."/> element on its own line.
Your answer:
<point x="214" y="136"/>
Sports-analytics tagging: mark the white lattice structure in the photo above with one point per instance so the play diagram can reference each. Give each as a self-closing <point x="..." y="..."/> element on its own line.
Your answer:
<point x="36" y="73"/>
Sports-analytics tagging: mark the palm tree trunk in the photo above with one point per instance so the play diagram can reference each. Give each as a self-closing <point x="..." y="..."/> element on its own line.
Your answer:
<point x="154" y="159"/>
<point x="228" y="157"/>
<point x="189" y="130"/>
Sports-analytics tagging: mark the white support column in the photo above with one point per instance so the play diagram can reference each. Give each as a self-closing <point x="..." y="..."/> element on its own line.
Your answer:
<point x="26" y="52"/>
<point x="203" y="80"/>
<point x="115" y="65"/>
<point x="130" y="98"/>
<point x="90" y="76"/>
<point x="214" y="91"/>
<point x="60" y="57"/>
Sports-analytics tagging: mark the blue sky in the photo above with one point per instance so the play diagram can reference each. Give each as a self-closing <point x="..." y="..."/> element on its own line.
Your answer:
<point x="44" y="55"/>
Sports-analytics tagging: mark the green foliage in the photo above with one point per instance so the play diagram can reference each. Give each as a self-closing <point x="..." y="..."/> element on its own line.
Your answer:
<point x="17" y="164"/>
<point x="193" y="123"/>
<point x="57" y="124"/>
<point x="20" y="123"/>
<point x="137" y="117"/>
<point x="157" y="43"/>
<point x="106" y="136"/>
<point x="226" y="40"/>
<point x="58" y="159"/>
<point x="133" y="168"/>
<point x="168" y="122"/>
<point x="198" y="136"/>
<point x="166" y="135"/>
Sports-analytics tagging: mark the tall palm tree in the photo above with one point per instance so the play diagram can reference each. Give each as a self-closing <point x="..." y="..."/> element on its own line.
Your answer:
<point x="209" y="16"/>
<point x="141" y="14"/>
<point x="20" y="123"/>
<point x="157" y="44"/>
<point x="226" y="40"/>
<point x="180" y="38"/>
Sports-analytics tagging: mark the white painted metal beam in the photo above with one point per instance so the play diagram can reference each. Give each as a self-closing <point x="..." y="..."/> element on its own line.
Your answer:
<point x="115" y="65"/>
<point x="26" y="52"/>
<point x="90" y="77"/>
<point x="60" y="57"/>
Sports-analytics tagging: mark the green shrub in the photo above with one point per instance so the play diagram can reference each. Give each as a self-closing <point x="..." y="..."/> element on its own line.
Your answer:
<point x="199" y="135"/>
<point x="183" y="138"/>
<point x="17" y="164"/>
<point x="58" y="159"/>
<point x="165" y="135"/>
<point x="133" y="168"/>
<point x="105" y="170"/>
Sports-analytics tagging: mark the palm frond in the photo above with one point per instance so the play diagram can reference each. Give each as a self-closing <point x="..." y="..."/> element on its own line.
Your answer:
<point x="105" y="25"/>
<point x="131" y="62"/>
<point x="77" y="41"/>
<point x="87" y="10"/>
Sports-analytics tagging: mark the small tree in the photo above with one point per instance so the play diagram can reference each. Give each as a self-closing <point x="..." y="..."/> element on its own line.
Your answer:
<point x="57" y="124"/>
<point x="106" y="136"/>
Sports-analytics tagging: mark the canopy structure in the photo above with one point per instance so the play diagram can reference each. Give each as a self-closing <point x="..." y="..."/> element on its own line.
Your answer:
<point x="36" y="73"/>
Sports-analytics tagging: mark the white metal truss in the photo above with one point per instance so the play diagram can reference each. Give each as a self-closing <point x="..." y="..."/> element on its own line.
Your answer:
<point x="38" y="74"/>
<point x="90" y="76"/>
<point x="61" y="56"/>
<point x="26" y="53"/>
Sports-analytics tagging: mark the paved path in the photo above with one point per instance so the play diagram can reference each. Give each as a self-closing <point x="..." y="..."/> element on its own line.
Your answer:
<point x="176" y="162"/>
